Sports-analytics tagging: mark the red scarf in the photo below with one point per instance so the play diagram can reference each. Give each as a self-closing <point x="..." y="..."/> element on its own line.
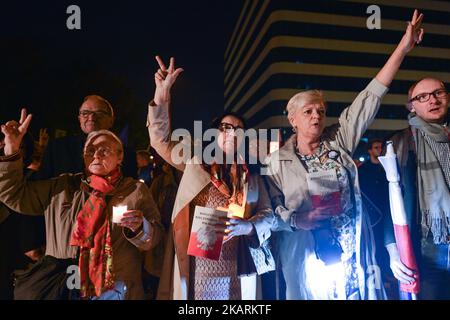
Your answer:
<point x="238" y="177"/>
<point x="93" y="236"/>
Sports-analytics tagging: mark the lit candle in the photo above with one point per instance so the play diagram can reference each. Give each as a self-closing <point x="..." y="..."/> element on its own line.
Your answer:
<point x="118" y="212"/>
<point x="236" y="210"/>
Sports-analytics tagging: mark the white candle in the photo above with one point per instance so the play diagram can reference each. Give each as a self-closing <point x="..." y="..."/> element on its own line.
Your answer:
<point x="118" y="212"/>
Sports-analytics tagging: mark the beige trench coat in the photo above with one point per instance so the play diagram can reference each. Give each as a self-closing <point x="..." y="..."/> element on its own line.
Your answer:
<point x="61" y="198"/>
<point x="174" y="281"/>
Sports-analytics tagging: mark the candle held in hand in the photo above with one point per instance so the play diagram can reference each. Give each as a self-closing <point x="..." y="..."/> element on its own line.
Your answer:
<point x="118" y="212"/>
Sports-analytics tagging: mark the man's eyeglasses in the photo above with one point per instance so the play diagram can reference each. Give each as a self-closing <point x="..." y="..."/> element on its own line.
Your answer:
<point x="102" y="151"/>
<point x="228" y="127"/>
<point x="424" y="97"/>
<point x="99" y="114"/>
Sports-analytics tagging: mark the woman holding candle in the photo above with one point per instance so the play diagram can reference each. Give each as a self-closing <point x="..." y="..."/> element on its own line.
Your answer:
<point x="78" y="213"/>
<point x="211" y="185"/>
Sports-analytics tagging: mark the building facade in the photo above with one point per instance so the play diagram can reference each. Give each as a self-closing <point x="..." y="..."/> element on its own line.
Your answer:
<point x="280" y="47"/>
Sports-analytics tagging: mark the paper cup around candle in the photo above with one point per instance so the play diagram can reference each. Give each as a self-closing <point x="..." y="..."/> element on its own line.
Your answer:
<point x="118" y="212"/>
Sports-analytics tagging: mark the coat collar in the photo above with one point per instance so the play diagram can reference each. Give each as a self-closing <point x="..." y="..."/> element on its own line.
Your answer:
<point x="122" y="184"/>
<point x="287" y="151"/>
<point x="194" y="179"/>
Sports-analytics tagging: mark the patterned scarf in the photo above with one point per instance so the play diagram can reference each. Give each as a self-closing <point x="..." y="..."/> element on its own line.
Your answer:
<point x="236" y="176"/>
<point x="434" y="192"/>
<point x="93" y="236"/>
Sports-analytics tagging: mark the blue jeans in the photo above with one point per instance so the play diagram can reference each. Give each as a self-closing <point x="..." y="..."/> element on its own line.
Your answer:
<point x="435" y="271"/>
<point x="117" y="293"/>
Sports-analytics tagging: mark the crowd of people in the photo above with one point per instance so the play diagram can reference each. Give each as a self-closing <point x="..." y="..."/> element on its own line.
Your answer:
<point x="279" y="223"/>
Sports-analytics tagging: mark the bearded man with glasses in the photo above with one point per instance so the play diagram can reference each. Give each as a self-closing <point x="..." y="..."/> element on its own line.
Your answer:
<point x="423" y="152"/>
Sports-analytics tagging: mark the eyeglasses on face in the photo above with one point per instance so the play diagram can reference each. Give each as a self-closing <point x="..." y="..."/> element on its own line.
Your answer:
<point x="98" y="114"/>
<point x="228" y="127"/>
<point x="424" y="97"/>
<point x="102" y="151"/>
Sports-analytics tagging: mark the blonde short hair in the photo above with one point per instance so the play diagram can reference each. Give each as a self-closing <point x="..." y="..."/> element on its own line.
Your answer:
<point x="302" y="99"/>
<point x="94" y="134"/>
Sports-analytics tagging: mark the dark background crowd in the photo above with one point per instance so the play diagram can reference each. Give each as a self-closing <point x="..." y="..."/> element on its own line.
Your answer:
<point x="50" y="70"/>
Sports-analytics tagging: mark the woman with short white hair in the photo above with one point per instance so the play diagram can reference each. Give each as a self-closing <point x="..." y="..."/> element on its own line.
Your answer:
<point x="326" y="242"/>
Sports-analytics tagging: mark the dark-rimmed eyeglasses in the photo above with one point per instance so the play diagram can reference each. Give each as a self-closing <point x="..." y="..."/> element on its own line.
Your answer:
<point x="424" y="97"/>
<point x="98" y="114"/>
<point x="228" y="127"/>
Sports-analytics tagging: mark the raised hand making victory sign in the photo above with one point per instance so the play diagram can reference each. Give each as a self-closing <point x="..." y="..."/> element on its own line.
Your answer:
<point x="414" y="32"/>
<point x="164" y="80"/>
<point x="14" y="132"/>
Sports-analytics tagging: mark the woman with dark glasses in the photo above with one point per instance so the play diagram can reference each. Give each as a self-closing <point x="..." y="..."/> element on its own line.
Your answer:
<point x="216" y="184"/>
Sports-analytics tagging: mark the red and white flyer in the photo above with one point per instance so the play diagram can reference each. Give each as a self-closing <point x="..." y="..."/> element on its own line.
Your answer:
<point x="204" y="240"/>
<point x="324" y="190"/>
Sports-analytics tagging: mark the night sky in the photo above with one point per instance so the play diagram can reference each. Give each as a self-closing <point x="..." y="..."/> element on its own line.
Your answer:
<point x="49" y="68"/>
